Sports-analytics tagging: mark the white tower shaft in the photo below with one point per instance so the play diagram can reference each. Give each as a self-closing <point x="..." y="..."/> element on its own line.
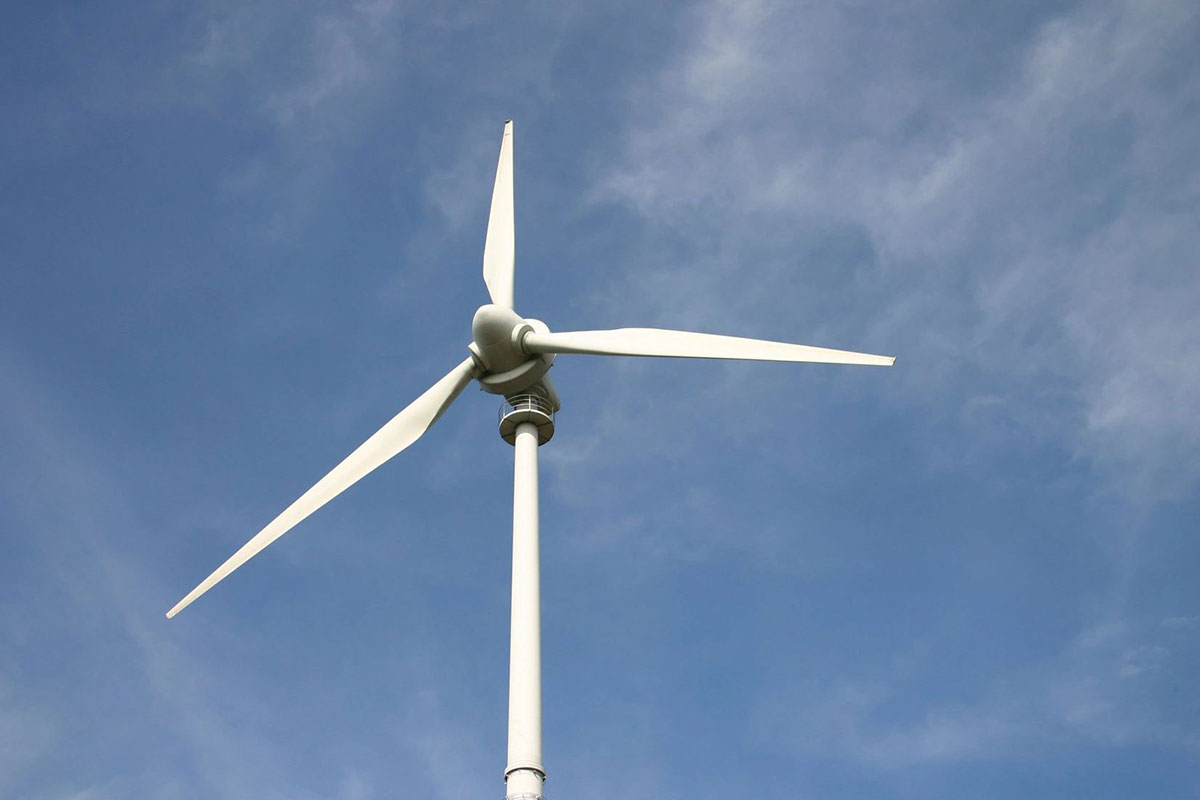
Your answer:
<point x="525" y="774"/>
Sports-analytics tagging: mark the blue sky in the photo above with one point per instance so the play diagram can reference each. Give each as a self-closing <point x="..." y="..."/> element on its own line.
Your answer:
<point x="238" y="237"/>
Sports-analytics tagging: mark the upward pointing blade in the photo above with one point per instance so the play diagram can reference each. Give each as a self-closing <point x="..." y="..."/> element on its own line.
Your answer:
<point x="499" y="249"/>
<point x="401" y="431"/>
<point x="685" y="344"/>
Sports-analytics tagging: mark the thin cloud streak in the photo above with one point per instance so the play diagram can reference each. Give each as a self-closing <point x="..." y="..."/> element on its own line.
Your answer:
<point x="1085" y="694"/>
<point x="956" y="192"/>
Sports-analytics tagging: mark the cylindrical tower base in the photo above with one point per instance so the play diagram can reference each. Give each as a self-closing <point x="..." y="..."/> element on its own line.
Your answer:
<point x="524" y="784"/>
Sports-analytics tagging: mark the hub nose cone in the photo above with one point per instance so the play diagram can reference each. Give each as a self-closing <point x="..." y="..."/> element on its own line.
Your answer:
<point x="493" y="324"/>
<point x="492" y="329"/>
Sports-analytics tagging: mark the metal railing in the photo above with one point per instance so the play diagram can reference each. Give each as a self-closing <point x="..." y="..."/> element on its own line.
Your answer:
<point x="525" y="402"/>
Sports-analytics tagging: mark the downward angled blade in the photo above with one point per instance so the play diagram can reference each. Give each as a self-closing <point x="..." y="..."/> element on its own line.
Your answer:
<point x="401" y="431"/>
<point x="499" y="249"/>
<point x="684" y="344"/>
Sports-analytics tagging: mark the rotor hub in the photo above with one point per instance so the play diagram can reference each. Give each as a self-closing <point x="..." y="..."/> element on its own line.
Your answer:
<point x="498" y="332"/>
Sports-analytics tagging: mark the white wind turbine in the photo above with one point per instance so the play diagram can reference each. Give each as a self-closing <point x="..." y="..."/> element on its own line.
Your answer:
<point x="510" y="356"/>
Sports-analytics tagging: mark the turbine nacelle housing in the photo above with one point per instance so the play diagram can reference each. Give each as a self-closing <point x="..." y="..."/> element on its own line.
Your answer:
<point x="498" y="333"/>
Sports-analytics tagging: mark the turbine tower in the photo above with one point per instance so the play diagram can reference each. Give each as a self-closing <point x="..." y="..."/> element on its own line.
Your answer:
<point x="511" y="356"/>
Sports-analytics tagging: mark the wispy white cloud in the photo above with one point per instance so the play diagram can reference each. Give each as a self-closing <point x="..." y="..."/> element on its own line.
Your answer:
<point x="334" y="55"/>
<point x="345" y="55"/>
<point x="1034" y="227"/>
<point x="26" y="735"/>
<point x="181" y="697"/>
<point x="445" y="752"/>
<point x="1084" y="694"/>
<point x="310" y="79"/>
<point x="105" y="588"/>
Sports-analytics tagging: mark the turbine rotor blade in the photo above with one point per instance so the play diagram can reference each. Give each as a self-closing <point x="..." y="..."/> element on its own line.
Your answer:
<point x="400" y="432"/>
<point x="684" y="344"/>
<point x="499" y="248"/>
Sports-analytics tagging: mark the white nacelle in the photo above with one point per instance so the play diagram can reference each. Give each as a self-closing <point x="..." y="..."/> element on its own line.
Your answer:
<point x="498" y="332"/>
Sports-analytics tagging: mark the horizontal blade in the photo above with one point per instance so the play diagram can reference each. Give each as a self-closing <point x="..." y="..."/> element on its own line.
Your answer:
<point x="499" y="249"/>
<point x="684" y="344"/>
<point x="403" y="429"/>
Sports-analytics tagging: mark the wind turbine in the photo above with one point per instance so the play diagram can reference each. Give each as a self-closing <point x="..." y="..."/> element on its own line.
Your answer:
<point x="510" y="356"/>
